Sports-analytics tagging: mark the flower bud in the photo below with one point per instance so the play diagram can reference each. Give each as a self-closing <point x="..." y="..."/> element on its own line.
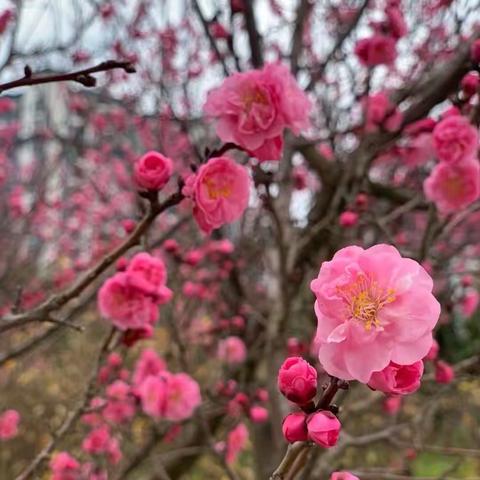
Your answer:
<point x="294" y="427"/>
<point x="397" y="379"/>
<point x="323" y="428"/>
<point x="258" y="414"/>
<point x="348" y="219"/>
<point x="153" y="170"/>
<point x="433" y="352"/>
<point x="443" y="372"/>
<point x="297" y="380"/>
<point x="392" y="405"/>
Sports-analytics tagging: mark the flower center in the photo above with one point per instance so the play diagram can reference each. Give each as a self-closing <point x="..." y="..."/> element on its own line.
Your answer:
<point x="217" y="189"/>
<point x="253" y="96"/>
<point x="364" y="298"/>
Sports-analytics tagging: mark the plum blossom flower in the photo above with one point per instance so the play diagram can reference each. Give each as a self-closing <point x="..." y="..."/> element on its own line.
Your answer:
<point x="149" y="363"/>
<point x="236" y="441"/>
<point x="254" y="108"/>
<point x="9" y="420"/>
<point x="220" y="192"/>
<point x="381" y="113"/>
<point x="455" y="139"/>
<point x="153" y="170"/>
<point x="397" y="379"/>
<point x="124" y="304"/>
<point x="444" y="372"/>
<point x="376" y="50"/>
<point x="232" y="350"/>
<point x="64" y="467"/>
<point x="343" y="476"/>
<point x="373" y="306"/>
<point x="453" y="187"/>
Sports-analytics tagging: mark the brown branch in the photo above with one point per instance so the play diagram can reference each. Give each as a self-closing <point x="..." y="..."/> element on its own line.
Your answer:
<point x="254" y="38"/>
<point x="81" y="76"/>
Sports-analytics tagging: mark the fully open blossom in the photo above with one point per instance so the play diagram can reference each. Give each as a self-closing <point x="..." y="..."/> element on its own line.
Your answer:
<point x="121" y="301"/>
<point x="453" y="187"/>
<point x="323" y="428"/>
<point x="153" y="170"/>
<point x="153" y="395"/>
<point x="220" y="192"/>
<point x="376" y="50"/>
<point x="64" y="467"/>
<point x="183" y="397"/>
<point x="455" y="139"/>
<point x="150" y="274"/>
<point x="9" y="420"/>
<point x="232" y="350"/>
<point x="254" y="108"/>
<point x="297" y="380"/>
<point x="294" y="427"/>
<point x="397" y="379"/>
<point x="373" y="307"/>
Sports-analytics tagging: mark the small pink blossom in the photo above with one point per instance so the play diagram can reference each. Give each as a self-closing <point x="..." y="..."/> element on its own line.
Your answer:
<point x="220" y="191"/>
<point x="348" y="219"/>
<point x="380" y="113"/>
<point x="64" y="467"/>
<point x="297" y="380"/>
<point x="323" y="428"/>
<point x="149" y="363"/>
<point x="254" y="108"/>
<point x="258" y="414"/>
<point x="124" y="304"/>
<point x="183" y="396"/>
<point x="372" y="300"/>
<point x="433" y="352"/>
<point x="153" y="170"/>
<point x="232" y="350"/>
<point x="153" y="394"/>
<point x="397" y="379"/>
<point x="469" y="302"/>
<point x="444" y="372"/>
<point x="453" y="187"/>
<point x="9" y="420"/>
<point x="149" y="274"/>
<point x="455" y="139"/>
<point x="376" y="50"/>
<point x="236" y="442"/>
<point x="392" y="405"/>
<point x="294" y="427"/>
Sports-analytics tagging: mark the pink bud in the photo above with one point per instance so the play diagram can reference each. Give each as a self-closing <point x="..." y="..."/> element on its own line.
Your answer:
<point x="323" y="428"/>
<point x="348" y="219"/>
<point x="343" y="476"/>
<point x="433" y="352"/>
<point x="153" y="170"/>
<point x="122" y="264"/>
<point x="297" y="380"/>
<point x="361" y="200"/>
<point x="171" y="245"/>
<point x="9" y="420"/>
<point x="295" y="347"/>
<point x="128" y="225"/>
<point x="294" y="427"/>
<point x="258" y="414"/>
<point x="467" y="281"/>
<point x="392" y="405"/>
<point x="397" y="379"/>
<point x="443" y="372"/>
<point x="262" y="394"/>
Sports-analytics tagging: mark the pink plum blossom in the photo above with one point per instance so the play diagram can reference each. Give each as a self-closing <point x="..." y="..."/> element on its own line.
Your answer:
<point x="9" y="420"/>
<point x="376" y="50"/>
<point x="236" y="442"/>
<point x="397" y="379"/>
<point x="64" y="467"/>
<point x="220" y="191"/>
<point x="254" y="108"/>
<point x="455" y="139"/>
<point x="124" y="304"/>
<point x="372" y="301"/>
<point x="453" y="187"/>
<point x="343" y="476"/>
<point x="444" y="372"/>
<point x="153" y="170"/>
<point x="232" y="350"/>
